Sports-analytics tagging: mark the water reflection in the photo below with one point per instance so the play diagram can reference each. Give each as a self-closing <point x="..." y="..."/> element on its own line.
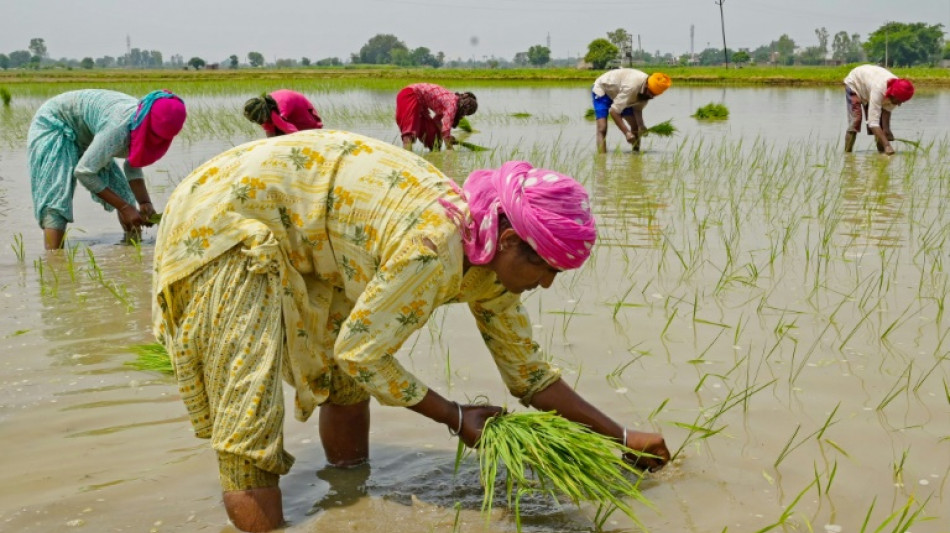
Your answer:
<point x="624" y="201"/>
<point x="872" y="202"/>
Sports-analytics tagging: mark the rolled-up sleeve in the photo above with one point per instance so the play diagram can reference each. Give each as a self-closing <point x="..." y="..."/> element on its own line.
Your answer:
<point x="506" y="328"/>
<point x="395" y="303"/>
<point x="105" y="146"/>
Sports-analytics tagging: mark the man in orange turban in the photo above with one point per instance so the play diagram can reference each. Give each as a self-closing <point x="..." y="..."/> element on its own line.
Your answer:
<point x="623" y="93"/>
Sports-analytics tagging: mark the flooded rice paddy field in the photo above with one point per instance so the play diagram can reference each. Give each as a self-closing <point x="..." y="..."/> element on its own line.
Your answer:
<point x="773" y="306"/>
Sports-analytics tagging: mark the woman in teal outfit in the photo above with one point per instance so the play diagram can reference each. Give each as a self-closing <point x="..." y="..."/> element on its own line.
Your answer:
<point x="77" y="135"/>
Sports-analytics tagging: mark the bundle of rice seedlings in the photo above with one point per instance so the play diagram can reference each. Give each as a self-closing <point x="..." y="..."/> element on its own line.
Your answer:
<point x="151" y="357"/>
<point x="472" y="146"/>
<point x="155" y="219"/>
<point x="5" y="96"/>
<point x="465" y="125"/>
<point x="590" y="114"/>
<point x="712" y="111"/>
<point x="915" y="144"/>
<point x="521" y="115"/>
<point x="545" y="453"/>
<point x="663" y="129"/>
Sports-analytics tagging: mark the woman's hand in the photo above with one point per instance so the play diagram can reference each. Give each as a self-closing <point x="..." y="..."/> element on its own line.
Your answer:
<point x="147" y="210"/>
<point x="473" y="421"/>
<point x="651" y="443"/>
<point x="130" y="218"/>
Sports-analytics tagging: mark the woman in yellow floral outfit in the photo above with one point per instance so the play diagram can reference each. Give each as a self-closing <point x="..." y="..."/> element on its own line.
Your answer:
<point x="313" y="257"/>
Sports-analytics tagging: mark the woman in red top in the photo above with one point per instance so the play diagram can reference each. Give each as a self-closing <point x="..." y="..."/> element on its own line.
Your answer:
<point x="282" y="112"/>
<point x="428" y="112"/>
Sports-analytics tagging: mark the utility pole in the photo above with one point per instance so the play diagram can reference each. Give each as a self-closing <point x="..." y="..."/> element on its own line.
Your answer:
<point x="722" y="19"/>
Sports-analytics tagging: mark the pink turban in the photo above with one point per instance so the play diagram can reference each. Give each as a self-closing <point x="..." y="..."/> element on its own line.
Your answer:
<point x="548" y="210"/>
<point x="899" y="89"/>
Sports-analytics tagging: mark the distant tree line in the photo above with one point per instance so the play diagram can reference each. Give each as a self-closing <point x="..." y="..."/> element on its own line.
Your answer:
<point x="893" y="44"/>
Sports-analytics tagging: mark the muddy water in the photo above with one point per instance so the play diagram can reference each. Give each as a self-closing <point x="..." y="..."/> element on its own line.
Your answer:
<point x="764" y="290"/>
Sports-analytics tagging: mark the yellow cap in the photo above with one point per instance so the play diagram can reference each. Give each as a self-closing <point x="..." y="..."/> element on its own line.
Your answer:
<point x="658" y="82"/>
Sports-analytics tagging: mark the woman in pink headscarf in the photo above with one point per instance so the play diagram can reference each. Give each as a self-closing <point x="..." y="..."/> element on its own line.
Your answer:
<point x="75" y="137"/>
<point x="282" y="112"/>
<point x="340" y="247"/>
<point x="876" y="92"/>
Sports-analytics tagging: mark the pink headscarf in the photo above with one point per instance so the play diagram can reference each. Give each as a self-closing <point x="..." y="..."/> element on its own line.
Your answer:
<point x="900" y="89"/>
<point x="548" y="210"/>
<point x="153" y="134"/>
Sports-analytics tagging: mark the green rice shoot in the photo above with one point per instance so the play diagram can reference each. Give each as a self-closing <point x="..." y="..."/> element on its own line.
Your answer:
<point x="590" y="114"/>
<point x="521" y="115"/>
<point x="5" y="96"/>
<point x="712" y="111"/>
<point x="155" y="218"/>
<point x="663" y="129"/>
<point x="543" y="452"/>
<point x="151" y="358"/>
<point x="915" y="144"/>
<point x="473" y="147"/>
<point x="465" y="125"/>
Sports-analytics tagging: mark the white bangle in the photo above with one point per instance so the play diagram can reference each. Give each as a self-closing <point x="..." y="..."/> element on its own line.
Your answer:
<point x="459" y="430"/>
<point x="625" y="436"/>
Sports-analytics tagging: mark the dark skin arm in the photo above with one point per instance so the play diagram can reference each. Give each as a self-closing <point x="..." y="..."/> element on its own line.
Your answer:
<point x="564" y="400"/>
<point x="146" y="209"/>
<point x="128" y="215"/>
<point x="434" y="406"/>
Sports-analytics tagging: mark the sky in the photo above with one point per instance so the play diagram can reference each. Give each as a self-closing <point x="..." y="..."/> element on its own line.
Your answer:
<point x="479" y="29"/>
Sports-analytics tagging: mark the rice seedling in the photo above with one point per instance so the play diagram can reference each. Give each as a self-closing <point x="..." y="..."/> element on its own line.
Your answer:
<point x="712" y="111"/>
<point x="156" y="218"/>
<point x="17" y="247"/>
<point x="663" y="129"/>
<point x="473" y="147"/>
<point x="542" y="452"/>
<point x="465" y="125"/>
<point x="789" y="510"/>
<point x="915" y="144"/>
<point x="905" y="519"/>
<point x="151" y="357"/>
<point x="590" y="114"/>
<point x="520" y="115"/>
<point x="5" y="96"/>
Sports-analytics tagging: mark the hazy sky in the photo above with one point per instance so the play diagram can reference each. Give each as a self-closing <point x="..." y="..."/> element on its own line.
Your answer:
<point x="215" y="29"/>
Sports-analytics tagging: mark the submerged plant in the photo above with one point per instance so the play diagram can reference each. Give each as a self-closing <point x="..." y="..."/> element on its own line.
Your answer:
<point x="151" y="357"/>
<point x="5" y="96"/>
<point x="543" y="452"/>
<point x="712" y="111"/>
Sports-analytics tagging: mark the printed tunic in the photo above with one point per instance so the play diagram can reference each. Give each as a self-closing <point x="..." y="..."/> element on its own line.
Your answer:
<point x="364" y="253"/>
<point x="443" y="102"/>
<point x="76" y="136"/>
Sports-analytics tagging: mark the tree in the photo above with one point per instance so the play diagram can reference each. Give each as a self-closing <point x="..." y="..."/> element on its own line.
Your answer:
<point x="812" y="55"/>
<point x="785" y="46"/>
<point x="4" y="61"/>
<point x="712" y="56"/>
<point x="946" y="53"/>
<point x="305" y="61"/>
<point x="600" y="52"/>
<point x="847" y="49"/>
<point x="423" y="56"/>
<point x="329" y="62"/>
<point x="539" y="55"/>
<point x="196" y="63"/>
<point x="255" y="59"/>
<point x="156" y="59"/>
<point x="520" y="59"/>
<point x="897" y="43"/>
<point x="38" y="47"/>
<point x="379" y="49"/>
<point x="618" y="37"/>
<point x="740" y="57"/>
<point x="401" y="57"/>
<point x="87" y="63"/>
<point x="19" y="58"/>
<point x="233" y="61"/>
<point x="105" y="62"/>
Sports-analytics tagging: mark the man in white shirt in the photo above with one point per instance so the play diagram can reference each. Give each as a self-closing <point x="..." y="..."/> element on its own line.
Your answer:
<point x="622" y="94"/>
<point x="876" y="92"/>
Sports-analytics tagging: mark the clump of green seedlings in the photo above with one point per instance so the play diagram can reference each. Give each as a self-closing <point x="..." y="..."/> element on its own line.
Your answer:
<point x="465" y="125"/>
<point x="521" y="114"/>
<point x="473" y="147"/>
<point x="590" y="114"/>
<point x="151" y="357"/>
<point x="712" y="111"/>
<point x="18" y="247"/>
<point x="663" y="129"/>
<point x="545" y="453"/>
<point x="5" y="96"/>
